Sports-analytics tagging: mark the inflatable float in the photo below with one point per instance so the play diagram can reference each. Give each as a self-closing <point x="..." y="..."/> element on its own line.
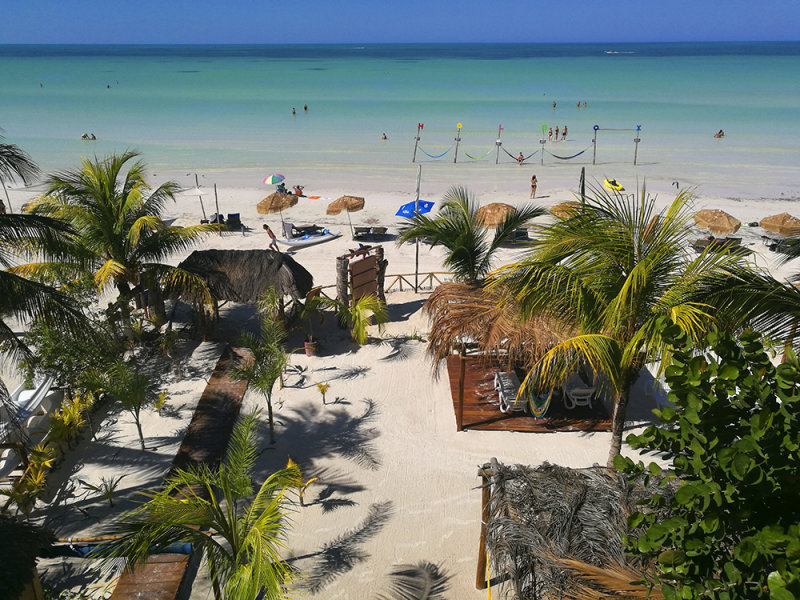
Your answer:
<point x="613" y="184"/>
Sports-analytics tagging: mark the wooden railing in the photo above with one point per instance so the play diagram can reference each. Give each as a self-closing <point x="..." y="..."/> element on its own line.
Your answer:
<point x="426" y="280"/>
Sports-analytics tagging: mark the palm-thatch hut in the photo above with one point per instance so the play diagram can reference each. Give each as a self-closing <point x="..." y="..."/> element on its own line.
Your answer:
<point x="487" y="319"/>
<point x="22" y="542"/>
<point x="550" y="529"/>
<point x="245" y="275"/>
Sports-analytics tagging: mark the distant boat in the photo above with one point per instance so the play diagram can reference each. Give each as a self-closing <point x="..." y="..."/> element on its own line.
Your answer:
<point x="311" y="239"/>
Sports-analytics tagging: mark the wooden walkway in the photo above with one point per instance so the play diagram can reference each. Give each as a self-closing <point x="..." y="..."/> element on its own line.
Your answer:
<point x="161" y="576"/>
<point x="481" y="411"/>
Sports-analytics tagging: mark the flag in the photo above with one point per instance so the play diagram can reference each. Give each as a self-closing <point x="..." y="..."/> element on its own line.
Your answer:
<point x="420" y="126"/>
<point x="407" y="210"/>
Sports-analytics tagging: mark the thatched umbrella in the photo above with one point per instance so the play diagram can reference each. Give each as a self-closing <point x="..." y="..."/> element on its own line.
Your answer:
<point x="565" y="209"/>
<point x="459" y="311"/>
<point x="717" y="221"/>
<point x="346" y="203"/>
<point x="548" y="525"/>
<point x="244" y="275"/>
<point x="493" y="214"/>
<point x="784" y="224"/>
<point x="276" y="203"/>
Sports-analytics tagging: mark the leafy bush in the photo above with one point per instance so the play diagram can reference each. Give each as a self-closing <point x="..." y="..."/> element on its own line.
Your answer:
<point x="733" y="440"/>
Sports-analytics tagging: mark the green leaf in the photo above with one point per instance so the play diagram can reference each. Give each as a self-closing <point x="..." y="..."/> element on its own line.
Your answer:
<point x="672" y="558"/>
<point x="685" y="494"/>
<point x="777" y="587"/>
<point x="635" y="520"/>
<point x="740" y="465"/>
<point x="728" y="371"/>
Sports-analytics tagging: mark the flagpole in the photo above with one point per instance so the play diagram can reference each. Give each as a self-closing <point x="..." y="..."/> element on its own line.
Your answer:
<point x="200" y="197"/>
<point x="416" y="142"/>
<point x="416" y="240"/>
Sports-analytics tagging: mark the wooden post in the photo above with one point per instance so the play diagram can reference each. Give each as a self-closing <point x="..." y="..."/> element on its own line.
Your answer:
<point x="636" y="141"/>
<point x="480" y="576"/>
<point x="416" y="240"/>
<point x="342" y="280"/>
<point x="381" y="276"/>
<point x="458" y="140"/>
<point x="416" y="143"/>
<point x="200" y="197"/>
<point x="216" y="203"/>
<point x="594" y="145"/>
<point x="583" y="185"/>
<point x="498" y="143"/>
<point x="461" y="377"/>
<point x="8" y="200"/>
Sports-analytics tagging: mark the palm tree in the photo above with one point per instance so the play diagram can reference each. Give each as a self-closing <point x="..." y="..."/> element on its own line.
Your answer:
<point x="615" y="272"/>
<point x="456" y="227"/>
<point x="117" y="221"/>
<point x="242" y="539"/>
<point x="359" y="316"/>
<point x="269" y="359"/>
<point x="14" y="162"/>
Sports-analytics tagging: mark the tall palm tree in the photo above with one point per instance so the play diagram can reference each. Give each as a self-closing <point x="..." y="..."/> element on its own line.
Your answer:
<point x="615" y="272"/>
<point x="456" y="227"/>
<point x="241" y="534"/>
<point x="116" y="216"/>
<point x="14" y="163"/>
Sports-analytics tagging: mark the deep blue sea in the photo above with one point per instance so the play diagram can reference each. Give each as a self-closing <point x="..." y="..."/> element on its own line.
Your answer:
<point x="229" y="108"/>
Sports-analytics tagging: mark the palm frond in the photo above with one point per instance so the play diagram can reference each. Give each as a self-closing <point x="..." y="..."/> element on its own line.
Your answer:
<point x="423" y="581"/>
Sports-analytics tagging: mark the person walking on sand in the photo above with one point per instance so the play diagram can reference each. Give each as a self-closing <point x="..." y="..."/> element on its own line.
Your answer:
<point x="533" y="185"/>
<point x="273" y="242"/>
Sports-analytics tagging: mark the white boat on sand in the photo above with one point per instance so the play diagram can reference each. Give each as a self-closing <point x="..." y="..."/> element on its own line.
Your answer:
<point x="311" y="239"/>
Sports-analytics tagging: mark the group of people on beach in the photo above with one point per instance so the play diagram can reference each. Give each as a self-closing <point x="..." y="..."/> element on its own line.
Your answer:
<point x="88" y="136"/>
<point x="296" y="190"/>
<point x="552" y="134"/>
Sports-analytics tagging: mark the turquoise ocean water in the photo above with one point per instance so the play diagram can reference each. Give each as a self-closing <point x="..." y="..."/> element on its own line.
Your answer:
<point x="228" y="108"/>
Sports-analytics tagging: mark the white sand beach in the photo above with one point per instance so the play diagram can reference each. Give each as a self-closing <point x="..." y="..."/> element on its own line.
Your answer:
<point x="397" y="483"/>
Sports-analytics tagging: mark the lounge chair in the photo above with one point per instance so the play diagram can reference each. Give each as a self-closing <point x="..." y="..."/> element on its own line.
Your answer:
<point x="234" y="222"/>
<point x="507" y="385"/>
<point x="379" y="230"/>
<point x="577" y="393"/>
<point x="361" y="232"/>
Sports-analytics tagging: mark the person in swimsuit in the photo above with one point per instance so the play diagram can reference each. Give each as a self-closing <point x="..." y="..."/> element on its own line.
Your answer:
<point x="564" y="133"/>
<point x="273" y="242"/>
<point x="550" y="135"/>
<point x="533" y="185"/>
<point x="520" y="158"/>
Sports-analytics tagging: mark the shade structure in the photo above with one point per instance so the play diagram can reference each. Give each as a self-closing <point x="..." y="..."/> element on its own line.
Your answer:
<point x="348" y="204"/>
<point x="276" y="203"/>
<point x="274" y="179"/>
<point x="783" y="224"/>
<point x="565" y="209"/>
<point x="493" y="214"/>
<point x="717" y="221"/>
<point x="411" y="209"/>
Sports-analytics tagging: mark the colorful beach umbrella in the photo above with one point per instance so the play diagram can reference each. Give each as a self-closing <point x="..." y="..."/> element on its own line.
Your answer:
<point x="274" y="179"/>
<point x="407" y="210"/>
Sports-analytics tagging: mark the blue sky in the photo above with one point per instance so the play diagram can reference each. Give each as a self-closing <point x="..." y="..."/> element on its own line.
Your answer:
<point x="342" y="21"/>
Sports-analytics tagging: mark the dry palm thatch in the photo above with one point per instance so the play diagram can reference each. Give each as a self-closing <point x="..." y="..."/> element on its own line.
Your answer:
<point x="717" y="221"/>
<point x="244" y="275"/>
<point x="493" y="214"/>
<point x="460" y="311"/>
<point x="348" y="203"/>
<point x="275" y="203"/>
<point x="784" y="224"/>
<point x="565" y="209"/>
<point x="555" y="532"/>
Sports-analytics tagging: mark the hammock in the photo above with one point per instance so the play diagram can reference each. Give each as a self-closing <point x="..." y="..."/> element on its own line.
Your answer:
<point x="538" y="405"/>
<point x="439" y="156"/>
<point x="568" y="157"/>
<point x="478" y="157"/>
<point x="524" y="158"/>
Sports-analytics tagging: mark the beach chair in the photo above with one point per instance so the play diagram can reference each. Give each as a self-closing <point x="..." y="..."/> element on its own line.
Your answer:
<point x="379" y="231"/>
<point x="577" y="393"/>
<point x="361" y="232"/>
<point x="234" y="222"/>
<point x="288" y="230"/>
<point x="507" y="385"/>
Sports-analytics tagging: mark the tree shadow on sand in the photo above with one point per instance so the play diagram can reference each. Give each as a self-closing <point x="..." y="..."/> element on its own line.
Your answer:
<point x="344" y="552"/>
<point x="327" y="432"/>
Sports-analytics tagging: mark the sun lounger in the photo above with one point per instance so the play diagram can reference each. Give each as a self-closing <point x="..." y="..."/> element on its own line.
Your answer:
<point x="507" y="385"/>
<point x="379" y="230"/>
<point x="361" y="232"/>
<point x="234" y="222"/>
<point x="577" y="393"/>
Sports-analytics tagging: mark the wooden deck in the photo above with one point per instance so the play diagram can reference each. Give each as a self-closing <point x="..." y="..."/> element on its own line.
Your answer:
<point x="205" y="441"/>
<point x="481" y="411"/>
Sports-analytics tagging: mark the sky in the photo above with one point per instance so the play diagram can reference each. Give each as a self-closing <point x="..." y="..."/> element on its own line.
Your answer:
<point x="399" y="21"/>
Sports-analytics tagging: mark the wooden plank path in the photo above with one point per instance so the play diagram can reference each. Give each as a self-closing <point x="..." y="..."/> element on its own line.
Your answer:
<point x="205" y="441"/>
<point x="481" y="411"/>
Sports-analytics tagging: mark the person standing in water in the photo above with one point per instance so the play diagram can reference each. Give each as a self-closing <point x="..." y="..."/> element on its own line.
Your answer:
<point x="534" y="183"/>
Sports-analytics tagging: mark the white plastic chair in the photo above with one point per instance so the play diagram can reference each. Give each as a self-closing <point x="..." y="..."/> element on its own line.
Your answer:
<point x="577" y="393"/>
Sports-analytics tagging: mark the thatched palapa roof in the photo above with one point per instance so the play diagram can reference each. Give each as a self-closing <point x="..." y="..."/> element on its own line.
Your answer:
<point x="244" y="275"/>
<point x="492" y="215"/>
<point x="783" y="224"/>
<point x="459" y="311"/>
<point x="717" y="221"/>
<point x="276" y="202"/>
<point x="348" y="203"/>
<point x="550" y="527"/>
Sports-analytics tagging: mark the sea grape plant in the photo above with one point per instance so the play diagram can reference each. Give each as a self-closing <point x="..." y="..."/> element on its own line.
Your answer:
<point x="733" y="444"/>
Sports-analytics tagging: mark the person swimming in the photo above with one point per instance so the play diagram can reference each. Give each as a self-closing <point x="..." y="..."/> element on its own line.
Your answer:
<point x="719" y="134"/>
